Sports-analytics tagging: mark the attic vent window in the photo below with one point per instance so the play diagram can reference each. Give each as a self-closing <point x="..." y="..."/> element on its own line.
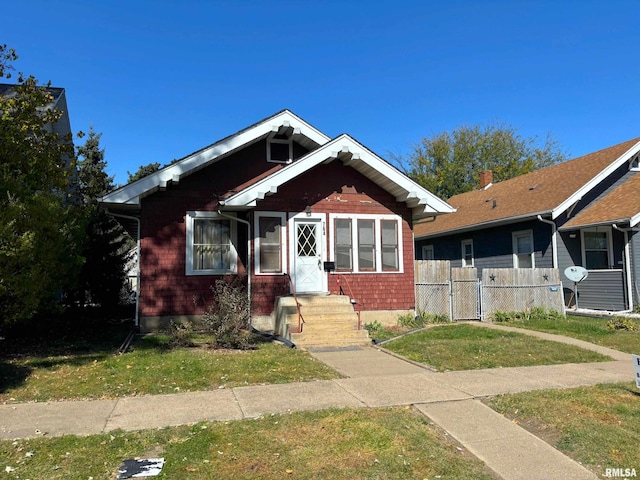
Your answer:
<point x="279" y="150"/>
<point x="635" y="163"/>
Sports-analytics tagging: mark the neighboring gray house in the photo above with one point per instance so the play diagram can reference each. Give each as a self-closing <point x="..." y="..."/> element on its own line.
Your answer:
<point x="583" y="212"/>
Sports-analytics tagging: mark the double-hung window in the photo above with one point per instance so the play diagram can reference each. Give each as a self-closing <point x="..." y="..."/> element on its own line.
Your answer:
<point x="523" y="253"/>
<point x="211" y="240"/>
<point x="467" y="253"/>
<point x="366" y="243"/>
<point x="596" y="249"/>
<point x="269" y="232"/>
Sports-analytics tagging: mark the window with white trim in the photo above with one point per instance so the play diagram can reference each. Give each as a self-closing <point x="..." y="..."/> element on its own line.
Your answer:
<point x="428" y="253"/>
<point x="279" y="149"/>
<point x="211" y="240"/>
<point x="596" y="249"/>
<point x="366" y="243"/>
<point x="467" y="253"/>
<point x="270" y="242"/>
<point x="523" y="252"/>
<point x="634" y="164"/>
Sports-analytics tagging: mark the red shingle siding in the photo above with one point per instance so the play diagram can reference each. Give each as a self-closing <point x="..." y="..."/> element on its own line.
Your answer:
<point x="332" y="188"/>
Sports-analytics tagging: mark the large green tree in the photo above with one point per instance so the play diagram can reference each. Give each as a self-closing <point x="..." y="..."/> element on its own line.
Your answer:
<point x="106" y="244"/>
<point x="38" y="226"/>
<point x="450" y="163"/>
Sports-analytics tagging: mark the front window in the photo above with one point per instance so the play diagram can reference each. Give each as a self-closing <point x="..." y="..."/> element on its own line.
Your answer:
<point x="428" y="253"/>
<point x="366" y="243"/>
<point x="270" y="240"/>
<point x="467" y="253"/>
<point x="211" y="242"/>
<point x="596" y="249"/>
<point x="523" y="253"/>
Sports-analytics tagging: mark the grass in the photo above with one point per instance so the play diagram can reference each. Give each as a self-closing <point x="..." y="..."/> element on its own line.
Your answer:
<point x="590" y="329"/>
<point x="467" y="347"/>
<point x="394" y="443"/>
<point x="87" y="368"/>
<point x="597" y="426"/>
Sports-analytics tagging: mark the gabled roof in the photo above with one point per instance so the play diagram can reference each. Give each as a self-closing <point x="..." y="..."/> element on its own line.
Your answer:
<point x="302" y="132"/>
<point x="355" y="155"/>
<point x="621" y="205"/>
<point x="549" y="191"/>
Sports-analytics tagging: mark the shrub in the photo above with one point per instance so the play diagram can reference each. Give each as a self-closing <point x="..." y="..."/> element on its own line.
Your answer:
<point x="181" y="334"/>
<point x="227" y="318"/>
<point x="536" y="313"/>
<point x="622" y="323"/>
<point x="373" y="327"/>
<point x="421" y="319"/>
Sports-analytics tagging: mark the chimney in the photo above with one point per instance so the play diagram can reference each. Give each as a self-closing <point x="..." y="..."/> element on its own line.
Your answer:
<point x="486" y="178"/>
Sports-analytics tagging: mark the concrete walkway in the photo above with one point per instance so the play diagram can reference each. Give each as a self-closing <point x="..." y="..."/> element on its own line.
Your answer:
<point x="373" y="378"/>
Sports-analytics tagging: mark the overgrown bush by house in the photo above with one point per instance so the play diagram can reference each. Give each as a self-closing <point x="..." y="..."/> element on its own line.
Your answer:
<point x="227" y="317"/>
<point x="623" y="323"/>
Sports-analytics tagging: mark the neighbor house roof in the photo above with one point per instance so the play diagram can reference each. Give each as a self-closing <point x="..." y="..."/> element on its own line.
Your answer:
<point x="621" y="205"/>
<point x="549" y="191"/>
<point x="354" y="154"/>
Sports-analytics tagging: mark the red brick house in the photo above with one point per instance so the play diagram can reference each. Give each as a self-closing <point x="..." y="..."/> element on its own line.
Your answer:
<point x="277" y="200"/>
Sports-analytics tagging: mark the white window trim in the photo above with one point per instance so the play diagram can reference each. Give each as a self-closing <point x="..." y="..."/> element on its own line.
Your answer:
<point x="283" y="241"/>
<point x="634" y="164"/>
<point x="467" y="241"/>
<point x="606" y="230"/>
<point x="354" y="242"/>
<point x="282" y="142"/>
<point x="425" y="250"/>
<point x="189" y="220"/>
<point x="514" y="245"/>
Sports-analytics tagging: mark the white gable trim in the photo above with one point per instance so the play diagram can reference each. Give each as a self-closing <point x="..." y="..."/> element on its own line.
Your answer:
<point x="132" y="193"/>
<point x="355" y="155"/>
<point x="634" y="220"/>
<point x="587" y="187"/>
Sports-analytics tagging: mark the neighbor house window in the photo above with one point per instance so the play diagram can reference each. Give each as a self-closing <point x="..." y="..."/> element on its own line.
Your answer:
<point x="211" y="241"/>
<point x="523" y="253"/>
<point x="428" y="253"/>
<point x="366" y="243"/>
<point x="270" y="243"/>
<point x="596" y="251"/>
<point x="467" y="253"/>
<point x="634" y="164"/>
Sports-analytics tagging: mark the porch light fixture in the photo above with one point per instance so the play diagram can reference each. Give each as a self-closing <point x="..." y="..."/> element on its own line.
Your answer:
<point x="307" y="210"/>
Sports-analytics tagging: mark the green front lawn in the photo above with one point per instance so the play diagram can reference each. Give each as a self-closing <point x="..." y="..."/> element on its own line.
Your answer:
<point x="593" y="330"/>
<point x="82" y="369"/>
<point x="598" y="426"/>
<point x="469" y="347"/>
<point x="395" y="443"/>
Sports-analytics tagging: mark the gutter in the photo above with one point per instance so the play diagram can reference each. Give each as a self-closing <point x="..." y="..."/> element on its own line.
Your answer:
<point x="554" y="239"/>
<point x="627" y="265"/>
<point x="137" y="220"/>
<point x="249" y="259"/>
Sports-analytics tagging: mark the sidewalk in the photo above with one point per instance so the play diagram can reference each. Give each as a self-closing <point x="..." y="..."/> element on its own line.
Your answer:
<point x="373" y="378"/>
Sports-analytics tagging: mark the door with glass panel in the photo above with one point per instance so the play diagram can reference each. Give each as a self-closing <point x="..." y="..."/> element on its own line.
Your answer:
<point x="309" y="273"/>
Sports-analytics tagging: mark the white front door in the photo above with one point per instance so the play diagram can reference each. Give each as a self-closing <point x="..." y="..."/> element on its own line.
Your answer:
<point x="307" y="254"/>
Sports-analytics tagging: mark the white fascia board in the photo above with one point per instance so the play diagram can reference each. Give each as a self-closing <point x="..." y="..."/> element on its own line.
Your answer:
<point x="428" y="202"/>
<point x="586" y="188"/>
<point x="173" y="173"/>
<point x="635" y="220"/>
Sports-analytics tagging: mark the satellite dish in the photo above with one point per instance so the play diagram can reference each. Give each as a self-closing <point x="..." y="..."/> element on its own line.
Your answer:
<point x="576" y="274"/>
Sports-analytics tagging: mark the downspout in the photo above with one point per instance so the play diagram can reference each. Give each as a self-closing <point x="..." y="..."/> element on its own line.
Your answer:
<point x="627" y="265"/>
<point x="236" y="219"/>
<point x="554" y="239"/>
<point x="137" y="220"/>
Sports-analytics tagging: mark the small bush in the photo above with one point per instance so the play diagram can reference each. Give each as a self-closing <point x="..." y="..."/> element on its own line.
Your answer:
<point x="227" y="318"/>
<point x="181" y="334"/>
<point x="536" y="313"/>
<point x="622" y="323"/>
<point x="373" y="327"/>
<point x="421" y="319"/>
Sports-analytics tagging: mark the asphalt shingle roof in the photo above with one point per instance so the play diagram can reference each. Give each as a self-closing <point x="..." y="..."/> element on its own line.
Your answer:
<point x="525" y="196"/>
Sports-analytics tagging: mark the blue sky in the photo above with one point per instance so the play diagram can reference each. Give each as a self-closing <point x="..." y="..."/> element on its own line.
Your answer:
<point x="161" y="79"/>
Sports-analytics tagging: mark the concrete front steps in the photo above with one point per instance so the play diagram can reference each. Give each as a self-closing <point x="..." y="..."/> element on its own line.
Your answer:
<point x="329" y="321"/>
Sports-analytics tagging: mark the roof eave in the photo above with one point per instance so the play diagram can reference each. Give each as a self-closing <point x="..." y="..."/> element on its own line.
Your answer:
<point x="490" y="223"/>
<point x="587" y="187"/>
